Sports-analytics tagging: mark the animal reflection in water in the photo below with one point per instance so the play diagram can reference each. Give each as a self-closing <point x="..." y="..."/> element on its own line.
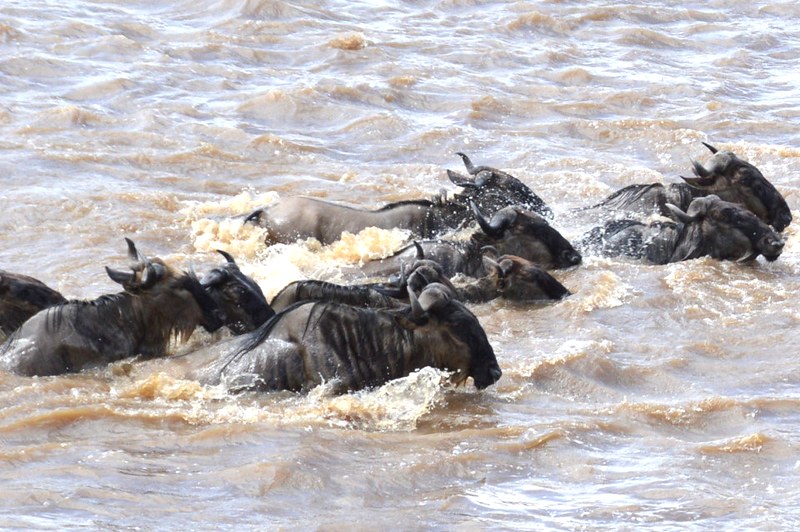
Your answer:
<point x="352" y="347"/>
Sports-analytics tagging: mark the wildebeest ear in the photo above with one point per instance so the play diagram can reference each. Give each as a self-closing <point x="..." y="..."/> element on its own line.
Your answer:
<point x="123" y="278"/>
<point x="678" y="214"/>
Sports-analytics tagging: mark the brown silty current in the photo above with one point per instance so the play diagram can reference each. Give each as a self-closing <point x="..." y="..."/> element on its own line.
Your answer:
<point x="655" y="396"/>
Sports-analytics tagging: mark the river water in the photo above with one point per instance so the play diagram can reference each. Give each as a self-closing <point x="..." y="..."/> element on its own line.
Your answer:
<point x="661" y="397"/>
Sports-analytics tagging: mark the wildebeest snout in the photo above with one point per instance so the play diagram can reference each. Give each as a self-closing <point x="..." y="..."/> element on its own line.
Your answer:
<point x="571" y="257"/>
<point x="772" y="247"/>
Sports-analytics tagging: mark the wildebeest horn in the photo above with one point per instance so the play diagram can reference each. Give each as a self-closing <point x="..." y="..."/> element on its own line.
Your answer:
<point x="490" y="251"/>
<point x="467" y="162"/>
<point x="710" y="147"/>
<point x="133" y="253"/>
<point x="227" y="256"/>
<point x="434" y="296"/>
<point x="151" y="274"/>
<point x="497" y="226"/>
<point x="460" y="179"/>
<point x="254" y="216"/>
<point x="678" y="214"/>
<point x="417" y="312"/>
<point x="483" y="177"/>
<point x="700" y="170"/>
<point x="420" y="252"/>
<point x="123" y="278"/>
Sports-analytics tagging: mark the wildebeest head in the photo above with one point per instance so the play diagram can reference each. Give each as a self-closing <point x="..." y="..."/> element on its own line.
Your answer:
<point x="738" y="181"/>
<point x="181" y="292"/>
<point x="515" y="231"/>
<point x="474" y="356"/>
<point x="238" y="296"/>
<point x="493" y="189"/>
<point x="724" y="230"/>
<point x="519" y="279"/>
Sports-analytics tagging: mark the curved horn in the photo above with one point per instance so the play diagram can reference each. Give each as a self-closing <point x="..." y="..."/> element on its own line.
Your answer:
<point x="679" y="214"/>
<point x="214" y="277"/>
<point x="700" y="170"/>
<point x="460" y="179"/>
<point x="133" y="253"/>
<point x="254" y="216"/>
<point x="467" y="162"/>
<point x="497" y="226"/>
<point x="417" y="312"/>
<point x="483" y="177"/>
<point x="123" y="278"/>
<point x="420" y="252"/>
<point x="434" y="296"/>
<point x="227" y="256"/>
<point x="710" y="147"/>
<point x="490" y="251"/>
<point x="151" y="274"/>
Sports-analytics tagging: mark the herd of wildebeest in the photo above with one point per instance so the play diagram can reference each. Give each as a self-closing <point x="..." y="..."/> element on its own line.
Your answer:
<point x="363" y="335"/>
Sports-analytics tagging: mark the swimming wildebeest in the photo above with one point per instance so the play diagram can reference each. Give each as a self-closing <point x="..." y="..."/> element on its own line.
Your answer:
<point x="511" y="231"/>
<point x="158" y="302"/>
<point x="299" y="217"/>
<point x="710" y="227"/>
<point x="726" y="176"/>
<point x="492" y="189"/>
<point x="238" y="297"/>
<point x="352" y="347"/>
<point x="508" y="277"/>
<point x="21" y="297"/>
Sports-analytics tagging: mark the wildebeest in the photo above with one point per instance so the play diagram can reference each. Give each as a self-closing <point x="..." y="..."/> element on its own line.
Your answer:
<point x="299" y="217"/>
<point x="21" y="297"/>
<point x="710" y="227"/>
<point x="158" y="302"/>
<point x="508" y="277"/>
<point x="352" y="347"/>
<point x="238" y="296"/>
<point x="492" y="189"/>
<point x="727" y="176"/>
<point x="511" y="231"/>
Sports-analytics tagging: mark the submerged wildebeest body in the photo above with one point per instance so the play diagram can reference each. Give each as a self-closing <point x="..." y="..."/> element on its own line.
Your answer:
<point x="511" y="231"/>
<point x="352" y="347"/>
<point x="300" y="217"/>
<point x="492" y="189"/>
<point x="238" y="297"/>
<point x="726" y="176"/>
<point x="21" y="297"/>
<point x="710" y="227"/>
<point x="158" y="302"/>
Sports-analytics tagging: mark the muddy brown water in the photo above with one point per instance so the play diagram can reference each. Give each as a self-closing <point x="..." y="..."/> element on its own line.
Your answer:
<point x="661" y="397"/>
